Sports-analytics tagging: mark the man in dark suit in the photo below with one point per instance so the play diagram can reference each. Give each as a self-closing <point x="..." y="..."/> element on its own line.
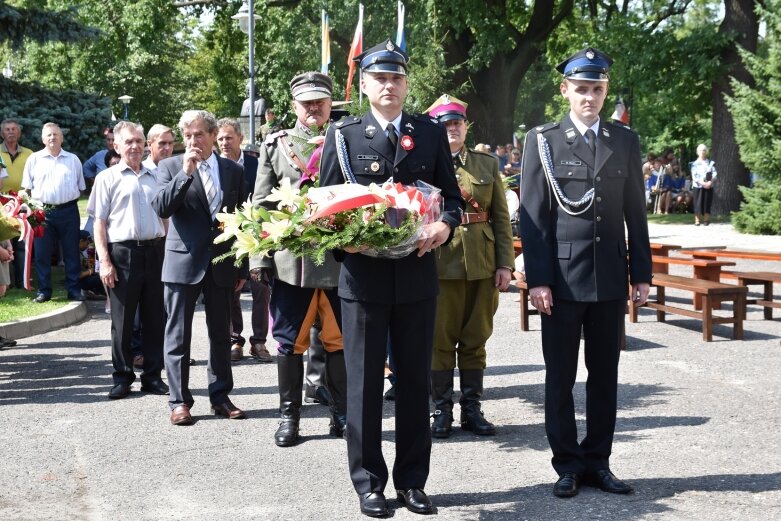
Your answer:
<point x="229" y="139"/>
<point x="390" y="298"/>
<point x="582" y="183"/>
<point x="193" y="187"/>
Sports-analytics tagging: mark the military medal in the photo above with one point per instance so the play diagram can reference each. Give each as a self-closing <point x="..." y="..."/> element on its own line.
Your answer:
<point x="407" y="143"/>
<point x="375" y="166"/>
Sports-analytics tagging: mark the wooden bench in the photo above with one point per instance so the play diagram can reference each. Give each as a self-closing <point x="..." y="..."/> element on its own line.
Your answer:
<point x="524" y="303"/>
<point x="703" y="269"/>
<point x="732" y="254"/>
<point x="662" y="250"/>
<point x="766" y="279"/>
<point x="709" y="292"/>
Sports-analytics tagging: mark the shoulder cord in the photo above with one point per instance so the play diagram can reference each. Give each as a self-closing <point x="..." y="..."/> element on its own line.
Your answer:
<point x="561" y="199"/>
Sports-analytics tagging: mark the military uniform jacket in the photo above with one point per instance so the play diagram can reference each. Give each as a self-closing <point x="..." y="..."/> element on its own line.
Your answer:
<point x="274" y="165"/>
<point x="373" y="160"/>
<point x="584" y="257"/>
<point x="478" y="249"/>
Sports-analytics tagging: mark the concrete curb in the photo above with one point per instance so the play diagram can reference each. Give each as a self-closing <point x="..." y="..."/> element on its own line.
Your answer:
<point x="65" y="316"/>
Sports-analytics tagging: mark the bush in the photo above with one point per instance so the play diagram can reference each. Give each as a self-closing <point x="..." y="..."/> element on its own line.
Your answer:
<point x="760" y="211"/>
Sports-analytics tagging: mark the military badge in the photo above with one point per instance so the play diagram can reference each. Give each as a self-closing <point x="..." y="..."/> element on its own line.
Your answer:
<point x="590" y="54"/>
<point x="375" y="167"/>
<point x="390" y="46"/>
<point x="407" y="143"/>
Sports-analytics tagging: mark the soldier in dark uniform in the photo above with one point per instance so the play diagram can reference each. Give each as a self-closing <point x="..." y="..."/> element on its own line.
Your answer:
<point x="390" y="298"/>
<point x="582" y="183"/>
<point x="302" y="293"/>
<point x="473" y="268"/>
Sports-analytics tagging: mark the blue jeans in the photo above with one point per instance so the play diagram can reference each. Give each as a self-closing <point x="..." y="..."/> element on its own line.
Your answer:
<point x="62" y="224"/>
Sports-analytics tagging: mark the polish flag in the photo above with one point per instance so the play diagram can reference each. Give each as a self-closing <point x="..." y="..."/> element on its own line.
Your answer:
<point x="355" y="49"/>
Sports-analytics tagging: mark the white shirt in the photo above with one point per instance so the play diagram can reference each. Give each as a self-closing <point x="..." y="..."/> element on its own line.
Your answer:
<point x="384" y="123"/>
<point x="149" y="163"/>
<point x="53" y="180"/>
<point x="124" y="200"/>
<point x="582" y="128"/>
<point x="214" y="171"/>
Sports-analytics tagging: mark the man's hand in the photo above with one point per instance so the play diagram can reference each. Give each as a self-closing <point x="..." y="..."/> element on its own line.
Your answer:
<point x="542" y="299"/>
<point x="239" y="284"/>
<point x="190" y="160"/>
<point x="261" y="275"/>
<point x="502" y="278"/>
<point x="639" y="293"/>
<point x="435" y="236"/>
<point x="108" y="275"/>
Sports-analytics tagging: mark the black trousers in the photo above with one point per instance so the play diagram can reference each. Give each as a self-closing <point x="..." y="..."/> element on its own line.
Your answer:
<point x="601" y="324"/>
<point x="139" y="286"/>
<point x="367" y="327"/>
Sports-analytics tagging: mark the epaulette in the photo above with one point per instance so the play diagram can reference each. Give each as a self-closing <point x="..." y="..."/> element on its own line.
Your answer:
<point x="273" y="137"/>
<point x="615" y="124"/>
<point x="346" y="121"/>
<point x="546" y="127"/>
<point x="480" y="152"/>
<point x="425" y="118"/>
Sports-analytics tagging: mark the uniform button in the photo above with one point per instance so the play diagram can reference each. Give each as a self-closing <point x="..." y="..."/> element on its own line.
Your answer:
<point x="424" y="167"/>
<point x="599" y="218"/>
<point x="569" y="173"/>
<point x="599" y="199"/>
<point x="599" y="178"/>
<point x="619" y="171"/>
<point x="395" y="170"/>
<point x="598" y="239"/>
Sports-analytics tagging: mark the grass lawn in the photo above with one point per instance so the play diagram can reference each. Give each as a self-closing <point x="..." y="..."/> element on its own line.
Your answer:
<point x="18" y="303"/>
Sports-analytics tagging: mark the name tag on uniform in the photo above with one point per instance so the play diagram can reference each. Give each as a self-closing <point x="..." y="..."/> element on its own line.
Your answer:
<point x="370" y="158"/>
<point x="571" y="163"/>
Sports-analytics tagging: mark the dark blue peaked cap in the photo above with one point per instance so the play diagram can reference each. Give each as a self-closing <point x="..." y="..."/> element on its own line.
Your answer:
<point x="385" y="57"/>
<point x="589" y="64"/>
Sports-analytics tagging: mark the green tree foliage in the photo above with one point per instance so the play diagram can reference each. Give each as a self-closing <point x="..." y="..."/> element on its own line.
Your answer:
<point x="760" y="211"/>
<point x="80" y="115"/>
<point x="137" y="53"/>
<point x="756" y="108"/>
<point x="20" y="24"/>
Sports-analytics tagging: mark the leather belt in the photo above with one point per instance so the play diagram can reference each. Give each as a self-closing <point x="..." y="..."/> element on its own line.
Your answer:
<point x="148" y="242"/>
<point x="474" y="217"/>
<point x="64" y="205"/>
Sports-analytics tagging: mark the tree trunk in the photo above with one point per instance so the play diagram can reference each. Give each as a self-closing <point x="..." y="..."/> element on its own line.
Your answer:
<point x="741" y="19"/>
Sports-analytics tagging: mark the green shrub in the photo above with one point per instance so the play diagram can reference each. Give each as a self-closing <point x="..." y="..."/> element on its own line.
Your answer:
<point x="760" y="211"/>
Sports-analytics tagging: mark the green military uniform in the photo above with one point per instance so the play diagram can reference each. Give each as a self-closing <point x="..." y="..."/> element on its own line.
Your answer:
<point x="468" y="297"/>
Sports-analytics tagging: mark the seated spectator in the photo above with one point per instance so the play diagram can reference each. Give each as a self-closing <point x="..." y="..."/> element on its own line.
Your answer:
<point x="512" y="169"/>
<point x="674" y="194"/>
<point x="89" y="279"/>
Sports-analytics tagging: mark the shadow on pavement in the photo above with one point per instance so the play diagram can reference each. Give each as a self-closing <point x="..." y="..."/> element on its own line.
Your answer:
<point x="537" y="501"/>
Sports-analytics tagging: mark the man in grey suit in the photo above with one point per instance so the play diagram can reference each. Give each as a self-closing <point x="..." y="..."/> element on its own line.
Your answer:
<point x="194" y="186"/>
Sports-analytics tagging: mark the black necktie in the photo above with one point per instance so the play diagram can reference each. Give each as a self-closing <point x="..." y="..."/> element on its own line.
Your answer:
<point x="592" y="141"/>
<point x="392" y="135"/>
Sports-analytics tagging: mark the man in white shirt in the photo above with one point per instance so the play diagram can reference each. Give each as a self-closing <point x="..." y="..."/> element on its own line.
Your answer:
<point x="160" y="140"/>
<point x="54" y="177"/>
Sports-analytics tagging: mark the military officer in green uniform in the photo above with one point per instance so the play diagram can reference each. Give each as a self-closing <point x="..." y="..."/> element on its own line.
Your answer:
<point x="302" y="293"/>
<point x="472" y="269"/>
<point x="585" y="240"/>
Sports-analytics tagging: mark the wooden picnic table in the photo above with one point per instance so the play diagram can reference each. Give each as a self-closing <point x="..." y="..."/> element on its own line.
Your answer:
<point x="732" y="254"/>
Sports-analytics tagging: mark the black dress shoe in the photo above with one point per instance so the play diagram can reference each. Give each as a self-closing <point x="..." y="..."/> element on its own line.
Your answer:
<point x="415" y="500"/>
<point x="41" y="298"/>
<point x="605" y="480"/>
<point x="373" y="504"/>
<point x="76" y="297"/>
<point x="568" y="485"/>
<point x="154" y="387"/>
<point x="119" y="391"/>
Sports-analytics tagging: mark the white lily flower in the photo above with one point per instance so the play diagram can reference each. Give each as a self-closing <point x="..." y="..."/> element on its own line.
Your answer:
<point x="275" y="228"/>
<point x="287" y="196"/>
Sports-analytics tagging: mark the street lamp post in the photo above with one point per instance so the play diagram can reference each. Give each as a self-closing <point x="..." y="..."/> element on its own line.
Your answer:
<point x="126" y="102"/>
<point x="246" y="18"/>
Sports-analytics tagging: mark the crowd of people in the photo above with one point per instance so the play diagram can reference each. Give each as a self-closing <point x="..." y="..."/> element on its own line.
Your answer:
<point x="427" y="315"/>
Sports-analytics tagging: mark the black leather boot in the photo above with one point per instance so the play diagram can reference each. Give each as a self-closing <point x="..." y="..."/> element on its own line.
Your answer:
<point x="471" y="416"/>
<point x="316" y="390"/>
<point x="336" y="380"/>
<point x="290" y="369"/>
<point x="442" y="395"/>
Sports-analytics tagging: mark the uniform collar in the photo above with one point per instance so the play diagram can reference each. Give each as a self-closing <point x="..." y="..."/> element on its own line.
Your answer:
<point x="582" y="128"/>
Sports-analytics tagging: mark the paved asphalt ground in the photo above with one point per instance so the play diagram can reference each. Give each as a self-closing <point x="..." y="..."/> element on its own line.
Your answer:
<point x="697" y="433"/>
